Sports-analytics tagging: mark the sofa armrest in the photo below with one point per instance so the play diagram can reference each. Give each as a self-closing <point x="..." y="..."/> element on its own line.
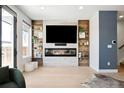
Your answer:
<point x="17" y="77"/>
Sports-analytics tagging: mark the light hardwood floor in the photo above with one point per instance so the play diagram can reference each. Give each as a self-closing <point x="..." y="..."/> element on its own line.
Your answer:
<point x="63" y="77"/>
<point x="58" y="77"/>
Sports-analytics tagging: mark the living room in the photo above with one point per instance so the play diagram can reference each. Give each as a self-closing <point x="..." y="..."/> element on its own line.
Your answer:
<point x="42" y="57"/>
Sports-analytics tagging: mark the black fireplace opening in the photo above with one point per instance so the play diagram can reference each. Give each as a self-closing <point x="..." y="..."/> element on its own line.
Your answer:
<point x="60" y="52"/>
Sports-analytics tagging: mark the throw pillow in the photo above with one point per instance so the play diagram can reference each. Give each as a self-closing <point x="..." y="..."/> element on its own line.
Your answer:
<point x="4" y="74"/>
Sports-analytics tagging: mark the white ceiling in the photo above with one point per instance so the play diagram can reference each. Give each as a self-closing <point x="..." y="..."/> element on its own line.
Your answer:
<point x="65" y="12"/>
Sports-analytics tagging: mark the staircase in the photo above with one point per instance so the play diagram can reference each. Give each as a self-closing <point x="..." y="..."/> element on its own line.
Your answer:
<point x="121" y="62"/>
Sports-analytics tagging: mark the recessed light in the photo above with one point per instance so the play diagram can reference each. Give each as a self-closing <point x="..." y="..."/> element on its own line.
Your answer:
<point x="42" y="7"/>
<point x="81" y="7"/>
<point x="121" y="16"/>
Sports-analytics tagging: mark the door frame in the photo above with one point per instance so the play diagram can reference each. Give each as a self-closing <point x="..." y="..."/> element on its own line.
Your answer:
<point x="14" y="34"/>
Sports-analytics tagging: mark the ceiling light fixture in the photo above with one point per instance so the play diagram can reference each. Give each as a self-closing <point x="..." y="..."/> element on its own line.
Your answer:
<point x="42" y="7"/>
<point x="121" y="16"/>
<point x="81" y="7"/>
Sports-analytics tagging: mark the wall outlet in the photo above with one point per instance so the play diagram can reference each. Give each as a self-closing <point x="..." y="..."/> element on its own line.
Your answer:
<point x="108" y="63"/>
<point x="109" y="46"/>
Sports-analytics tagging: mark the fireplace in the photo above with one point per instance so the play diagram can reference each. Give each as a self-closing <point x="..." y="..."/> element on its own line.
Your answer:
<point x="60" y="52"/>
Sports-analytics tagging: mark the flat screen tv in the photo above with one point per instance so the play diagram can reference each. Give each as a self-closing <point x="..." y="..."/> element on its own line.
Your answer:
<point x="61" y="33"/>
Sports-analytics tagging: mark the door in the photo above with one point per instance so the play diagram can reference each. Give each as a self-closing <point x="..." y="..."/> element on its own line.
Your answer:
<point x="8" y="34"/>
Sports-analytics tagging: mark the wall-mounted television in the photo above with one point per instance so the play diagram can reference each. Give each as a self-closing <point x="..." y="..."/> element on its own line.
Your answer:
<point x="61" y="34"/>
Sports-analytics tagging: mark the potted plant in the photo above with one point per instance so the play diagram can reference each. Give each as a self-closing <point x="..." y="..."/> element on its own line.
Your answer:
<point x="81" y="29"/>
<point x="34" y="39"/>
<point x="81" y="32"/>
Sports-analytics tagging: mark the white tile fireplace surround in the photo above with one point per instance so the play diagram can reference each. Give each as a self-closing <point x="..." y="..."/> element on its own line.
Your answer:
<point x="57" y="61"/>
<point x="60" y="60"/>
<point x="60" y="57"/>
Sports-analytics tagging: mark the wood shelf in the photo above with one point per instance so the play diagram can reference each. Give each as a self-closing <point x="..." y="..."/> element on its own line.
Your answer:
<point x="84" y="39"/>
<point x="37" y="26"/>
<point x="83" y="44"/>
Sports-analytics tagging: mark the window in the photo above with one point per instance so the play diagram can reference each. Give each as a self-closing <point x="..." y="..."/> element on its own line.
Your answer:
<point x="26" y="39"/>
<point x="7" y="39"/>
<point x="8" y="44"/>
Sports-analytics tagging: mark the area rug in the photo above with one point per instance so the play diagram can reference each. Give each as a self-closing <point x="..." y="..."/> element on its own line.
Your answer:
<point x="103" y="81"/>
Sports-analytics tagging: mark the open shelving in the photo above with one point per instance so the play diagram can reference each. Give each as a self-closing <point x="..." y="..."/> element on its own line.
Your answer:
<point x="37" y="40"/>
<point x="83" y="42"/>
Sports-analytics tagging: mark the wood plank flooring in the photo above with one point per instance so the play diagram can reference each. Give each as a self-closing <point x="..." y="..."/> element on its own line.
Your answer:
<point x="63" y="77"/>
<point x="58" y="77"/>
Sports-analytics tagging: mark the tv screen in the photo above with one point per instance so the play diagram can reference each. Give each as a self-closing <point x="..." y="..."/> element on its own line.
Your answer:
<point x="61" y="34"/>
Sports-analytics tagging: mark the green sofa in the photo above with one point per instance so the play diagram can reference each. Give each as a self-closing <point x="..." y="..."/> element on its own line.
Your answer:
<point x="11" y="78"/>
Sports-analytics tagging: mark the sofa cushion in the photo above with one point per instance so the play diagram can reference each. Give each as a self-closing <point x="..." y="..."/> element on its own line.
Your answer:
<point x="9" y="85"/>
<point x="4" y="74"/>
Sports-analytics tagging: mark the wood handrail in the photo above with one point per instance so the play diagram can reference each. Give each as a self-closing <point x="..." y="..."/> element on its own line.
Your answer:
<point x="121" y="46"/>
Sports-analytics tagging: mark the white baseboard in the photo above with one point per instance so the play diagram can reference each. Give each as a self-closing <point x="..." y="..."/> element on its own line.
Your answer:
<point x="108" y="70"/>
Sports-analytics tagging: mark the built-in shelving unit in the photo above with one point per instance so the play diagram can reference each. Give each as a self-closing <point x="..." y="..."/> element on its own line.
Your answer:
<point x="37" y="40"/>
<point x="83" y="42"/>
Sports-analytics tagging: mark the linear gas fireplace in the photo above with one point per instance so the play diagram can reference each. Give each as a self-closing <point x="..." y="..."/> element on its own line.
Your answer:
<point x="59" y="52"/>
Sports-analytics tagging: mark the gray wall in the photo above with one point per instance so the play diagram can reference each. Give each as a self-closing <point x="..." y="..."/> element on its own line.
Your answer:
<point x="107" y="33"/>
